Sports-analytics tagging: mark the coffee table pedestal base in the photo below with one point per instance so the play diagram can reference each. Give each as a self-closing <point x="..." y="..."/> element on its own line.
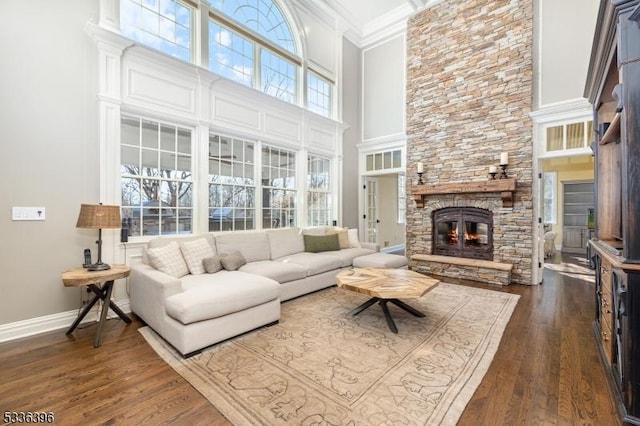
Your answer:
<point x="385" y="309"/>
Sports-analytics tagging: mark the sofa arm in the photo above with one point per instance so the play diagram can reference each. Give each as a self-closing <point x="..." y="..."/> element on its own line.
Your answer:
<point x="370" y="246"/>
<point x="148" y="292"/>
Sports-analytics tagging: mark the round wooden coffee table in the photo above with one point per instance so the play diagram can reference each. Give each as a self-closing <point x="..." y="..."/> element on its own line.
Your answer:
<point x="386" y="285"/>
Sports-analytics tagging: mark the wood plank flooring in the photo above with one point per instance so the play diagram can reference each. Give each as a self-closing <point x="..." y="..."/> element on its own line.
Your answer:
<point x="546" y="372"/>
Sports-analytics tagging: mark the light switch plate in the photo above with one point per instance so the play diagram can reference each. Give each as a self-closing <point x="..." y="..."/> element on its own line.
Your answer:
<point x="28" y="213"/>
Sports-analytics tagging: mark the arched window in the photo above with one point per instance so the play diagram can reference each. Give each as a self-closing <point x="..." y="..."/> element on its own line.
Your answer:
<point x="261" y="16"/>
<point x="248" y="41"/>
<point x="251" y="42"/>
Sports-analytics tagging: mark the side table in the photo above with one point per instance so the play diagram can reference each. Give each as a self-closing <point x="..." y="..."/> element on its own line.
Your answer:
<point x="101" y="283"/>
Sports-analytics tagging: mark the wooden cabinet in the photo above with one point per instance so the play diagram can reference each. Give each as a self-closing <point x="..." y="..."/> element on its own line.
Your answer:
<point x="613" y="87"/>
<point x="578" y="199"/>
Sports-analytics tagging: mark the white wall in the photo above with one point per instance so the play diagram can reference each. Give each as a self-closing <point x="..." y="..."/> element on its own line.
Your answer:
<point x="565" y="36"/>
<point x="49" y="150"/>
<point x="383" y="100"/>
<point x="351" y="72"/>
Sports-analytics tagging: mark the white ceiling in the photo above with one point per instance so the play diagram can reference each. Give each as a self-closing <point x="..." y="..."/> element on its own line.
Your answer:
<point x="369" y="20"/>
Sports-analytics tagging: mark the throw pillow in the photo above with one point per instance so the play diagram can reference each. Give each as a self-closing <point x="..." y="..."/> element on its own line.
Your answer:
<point x="343" y="236"/>
<point x="168" y="259"/>
<point x="353" y="238"/>
<point x="213" y="264"/>
<point x="320" y="243"/>
<point x="232" y="261"/>
<point x="194" y="252"/>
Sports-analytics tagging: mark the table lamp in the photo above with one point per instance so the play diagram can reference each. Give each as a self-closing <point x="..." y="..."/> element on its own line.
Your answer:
<point x="98" y="216"/>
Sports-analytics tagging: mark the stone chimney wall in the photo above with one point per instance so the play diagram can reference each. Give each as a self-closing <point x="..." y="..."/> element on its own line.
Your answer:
<point x="469" y="95"/>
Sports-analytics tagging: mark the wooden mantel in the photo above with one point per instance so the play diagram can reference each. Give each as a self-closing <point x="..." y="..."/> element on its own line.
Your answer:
<point x="505" y="187"/>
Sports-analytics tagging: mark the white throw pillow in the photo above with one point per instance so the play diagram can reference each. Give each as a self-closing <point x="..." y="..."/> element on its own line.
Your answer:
<point x="353" y="238"/>
<point x="168" y="259"/>
<point x="194" y="253"/>
<point x="343" y="236"/>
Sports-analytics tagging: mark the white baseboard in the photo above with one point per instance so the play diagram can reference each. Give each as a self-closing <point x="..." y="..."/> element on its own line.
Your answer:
<point x="33" y="326"/>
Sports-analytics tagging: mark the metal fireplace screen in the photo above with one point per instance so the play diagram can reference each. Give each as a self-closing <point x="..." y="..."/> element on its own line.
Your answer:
<point x="463" y="232"/>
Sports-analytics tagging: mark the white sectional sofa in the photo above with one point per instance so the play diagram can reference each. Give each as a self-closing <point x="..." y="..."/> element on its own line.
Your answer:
<point x="193" y="309"/>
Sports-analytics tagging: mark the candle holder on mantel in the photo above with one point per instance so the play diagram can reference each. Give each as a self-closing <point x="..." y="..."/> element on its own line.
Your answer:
<point x="420" y="182"/>
<point x="493" y="175"/>
<point x="503" y="175"/>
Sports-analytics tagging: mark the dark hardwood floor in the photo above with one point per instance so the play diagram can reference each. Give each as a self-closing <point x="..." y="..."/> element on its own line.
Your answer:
<point x="547" y="370"/>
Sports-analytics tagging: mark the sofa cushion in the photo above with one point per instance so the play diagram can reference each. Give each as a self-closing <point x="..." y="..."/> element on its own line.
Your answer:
<point x="380" y="260"/>
<point x="168" y="259"/>
<point x="315" y="230"/>
<point x="253" y="245"/>
<point x="314" y="263"/>
<point x="348" y="255"/>
<point x="279" y="271"/>
<point x="343" y="236"/>
<point x="194" y="252"/>
<point x="320" y="243"/>
<point x="231" y="292"/>
<point x="284" y="242"/>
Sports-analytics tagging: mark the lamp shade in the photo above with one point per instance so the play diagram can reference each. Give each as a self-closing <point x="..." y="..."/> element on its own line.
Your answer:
<point x="98" y="216"/>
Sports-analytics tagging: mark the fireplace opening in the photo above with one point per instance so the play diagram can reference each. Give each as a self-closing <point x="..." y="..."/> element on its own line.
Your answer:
<point x="463" y="232"/>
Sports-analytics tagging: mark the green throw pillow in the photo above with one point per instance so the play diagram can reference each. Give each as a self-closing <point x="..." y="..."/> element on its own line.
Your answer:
<point x="318" y="243"/>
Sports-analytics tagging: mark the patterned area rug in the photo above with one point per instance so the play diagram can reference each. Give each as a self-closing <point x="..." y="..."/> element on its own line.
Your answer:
<point x="320" y="365"/>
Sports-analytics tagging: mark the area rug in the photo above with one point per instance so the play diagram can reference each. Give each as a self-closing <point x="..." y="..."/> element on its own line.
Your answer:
<point x="320" y="365"/>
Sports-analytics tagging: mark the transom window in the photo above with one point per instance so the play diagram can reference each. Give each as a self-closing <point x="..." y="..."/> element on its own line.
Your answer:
<point x="569" y="136"/>
<point x="279" y="77"/>
<point x="230" y="54"/>
<point x="384" y="160"/>
<point x="162" y="24"/>
<point x="261" y="16"/>
<point x="318" y="94"/>
<point x="248" y="41"/>
<point x="156" y="177"/>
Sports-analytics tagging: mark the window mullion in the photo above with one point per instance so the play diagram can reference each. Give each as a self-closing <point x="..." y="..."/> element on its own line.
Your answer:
<point x="257" y="66"/>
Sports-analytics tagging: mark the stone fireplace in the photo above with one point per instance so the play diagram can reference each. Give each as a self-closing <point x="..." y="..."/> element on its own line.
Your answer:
<point x="469" y="95"/>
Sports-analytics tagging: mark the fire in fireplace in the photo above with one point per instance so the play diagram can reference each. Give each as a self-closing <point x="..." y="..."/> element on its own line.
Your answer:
<point x="463" y="232"/>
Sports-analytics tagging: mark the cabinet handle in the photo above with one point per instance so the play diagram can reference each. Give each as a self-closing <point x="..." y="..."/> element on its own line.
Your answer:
<point x="605" y="336"/>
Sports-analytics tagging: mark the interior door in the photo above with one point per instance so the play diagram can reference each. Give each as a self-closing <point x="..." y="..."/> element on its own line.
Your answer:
<point x="371" y="208"/>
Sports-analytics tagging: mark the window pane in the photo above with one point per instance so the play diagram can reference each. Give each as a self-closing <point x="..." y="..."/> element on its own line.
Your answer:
<point x="554" y="138"/>
<point x="157" y="195"/>
<point x="549" y="193"/>
<point x="575" y="136"/>
<point x="278" y="183"/>
<point x="278" y="77"/>
<point x="230" y="54"/>
<point x="318" y="191"/>
<point x="262" y="16"/>
<point x="162" y="24"/>
<point x="231" y="190"/>
<point x="318" y="95"/>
